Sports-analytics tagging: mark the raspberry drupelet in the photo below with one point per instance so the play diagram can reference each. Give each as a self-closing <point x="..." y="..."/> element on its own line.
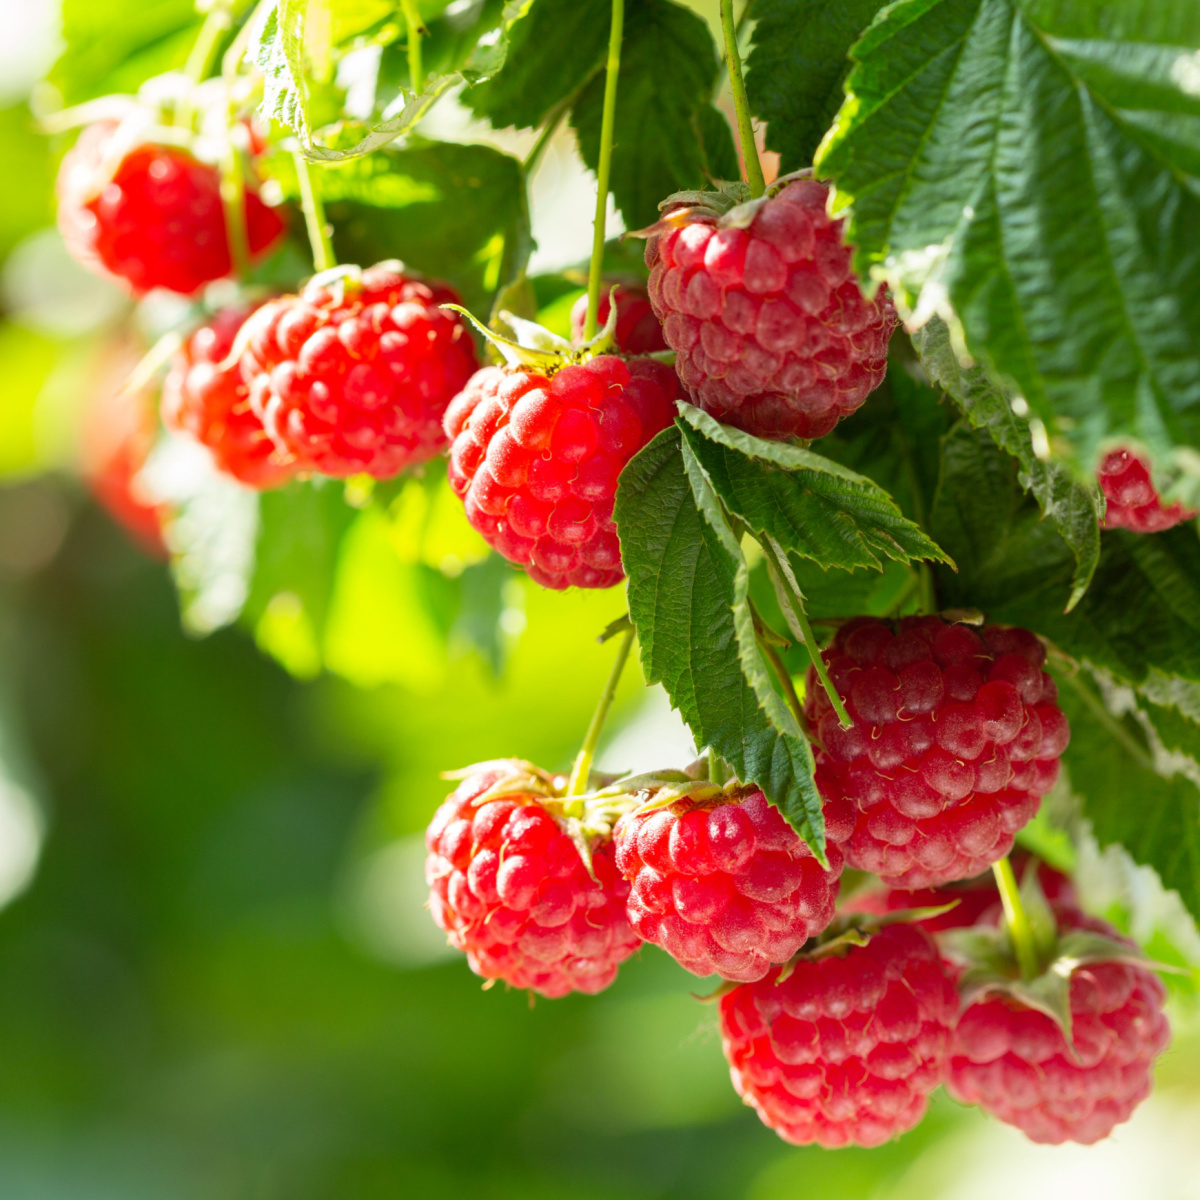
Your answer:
<point x="638" y="330"/>
<point x="1015" y="1063"/>
<point x="536" y="460"/>
<point x="845" y="1048"/>
<point x="956" y="736"/>
<point x="354" y="375"/>
<point x="772" y="330"/>
<point x="725" y="888"/>
<point x="156" y="218"/>
<point x="1132" y="501"/>
<point x="207" y="398"/>
<point x="509" y="887"/>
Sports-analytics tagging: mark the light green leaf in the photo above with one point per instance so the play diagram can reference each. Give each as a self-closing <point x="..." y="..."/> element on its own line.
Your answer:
<point x="1075" y="508"/>
<point x="687" y="598"/>
<point x="810" y="505"/>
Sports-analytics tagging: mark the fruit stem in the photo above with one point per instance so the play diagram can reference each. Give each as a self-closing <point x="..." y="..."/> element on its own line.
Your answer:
<point x="1020" y="931"/>
<point x="737" y="85"/>
<point x="797" y="620"/>
<point x="416" y="30"/>
<point x="204" y="51"/>
<point x="604" y="168"/>
<point x="578" y="782"/>
<point x="314" y="216"/>
<point x="233" y="201"/>
<point x="548" y="131"/>
<point x="716" y="767"/>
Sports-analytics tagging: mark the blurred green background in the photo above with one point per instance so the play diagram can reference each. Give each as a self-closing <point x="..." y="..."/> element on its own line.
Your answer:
<point x="217" y="979"/>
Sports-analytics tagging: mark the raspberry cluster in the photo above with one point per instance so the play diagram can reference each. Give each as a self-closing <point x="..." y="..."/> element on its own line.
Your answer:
<point x="207" y="398"/>
<point x="1132" y="501"/>
<point x="725" y="888"/>
<point x="510" y="889"/>
<point x="536" y="460"/>
<point x="355" y="375"/>
<point x="638" y="330"/>
<point x="1015" y="1063"/>
<point x="772" y="331"/>
<point x="844" y="1050"/>
<point x="955" y="738"/>
<point x="155" y="219"/>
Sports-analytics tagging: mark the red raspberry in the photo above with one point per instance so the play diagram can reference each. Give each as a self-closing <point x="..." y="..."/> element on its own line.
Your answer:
<point x="844" y="1050"/>
<point x="354" y="376"/>
<point x="638" y="330"/>
<point x="537" y="460"/>
<point x="157" y="219"/>
<point x="726" y="888"/>
<point x="977" y="899"/>
<point x="211" y="402"/>
<point x="1132" y="501"/>
<point x="510" y="889"/>
<point x="955" y="739"/>
<point x="772" y="331"/>
<point x="1014" y="1062"/>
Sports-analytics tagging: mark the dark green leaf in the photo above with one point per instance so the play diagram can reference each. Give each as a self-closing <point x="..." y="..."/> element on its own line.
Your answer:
<point x="808" y="504"/>
<point x="1111" y="765"/>
<point x="663" y="141"/>
<point x="986" y="168"/>
<point x="796" y="69"/>
<point x="480" y="607"/>
<point x="1074" y="507"/>
<point x="687" y="599"/>
<point x="556" y="47"/>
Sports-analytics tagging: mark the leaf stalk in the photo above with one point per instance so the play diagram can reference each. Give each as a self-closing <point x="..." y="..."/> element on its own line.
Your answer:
<point x="319" y="229"/>
<point x="741" y="105"/>
<point x="416" y="30"/>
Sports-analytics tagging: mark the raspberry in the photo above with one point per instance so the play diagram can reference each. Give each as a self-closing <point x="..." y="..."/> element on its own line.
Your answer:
<point x="1015" y="1063"/>
<point x="154" y="221"/>
<point x="1132" y="501"/>
<point x="638" y="330"/>
<point x="772" y="330"/>
<point x="210" y="401"/>
<point x="537" y="460"/>
<point x="510" y="889"/>
<point x="354" y="376"/>
<point x="844" y="1050"/>
<point x="725" y="888"/>
<point x="955" y="739"/>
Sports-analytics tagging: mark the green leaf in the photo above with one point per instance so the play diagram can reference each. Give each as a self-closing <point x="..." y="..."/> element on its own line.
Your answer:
<point x="1112" y="768"/>
<point x="481" y="607"/>
<point x="808" y="504"/>
<point x="556" y="47"/>
<point x="1075" y="508"/>
<point x="277" y="49"/>
<point x="452" y="212"/>
<point x="665" y="139"/>
<point x="991" y="176"/>
<point x="795" y="71"/>
<point x="688" y="600"/>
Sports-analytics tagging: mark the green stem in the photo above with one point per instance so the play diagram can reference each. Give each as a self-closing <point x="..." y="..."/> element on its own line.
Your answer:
<point x="612" y="69"/>
<point x="737" y="85"/>
<point x="1019" y="928"/>
<point x="314" y="216"/>
<point x="766" y="638"/>
<point x="587" y="752"/>
<point x="716" y="767"/>
<point x="204" y="52"/>
<point x="233" y="200"/>
<point x="549" y="129"/>
<point x="416" y="30"/>
<point x="797" y="619"/>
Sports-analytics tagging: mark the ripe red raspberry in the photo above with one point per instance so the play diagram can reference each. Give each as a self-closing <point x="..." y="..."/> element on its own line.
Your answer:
<point x="772" y="331"/>
<point x="156" y="220"/>
<point x="1132" y="501"/>
<point x="726" y="888"/>
<point x="536" y="460"/>
<point x="211" y="401"/>
<point x="955" y="739"/>
<point x="844" y="1050"/>
<point x="509" y="887"/>
<point x="1014" y="1062"/>
<point x="638" y="330"/>
<point x="354" y="375"/>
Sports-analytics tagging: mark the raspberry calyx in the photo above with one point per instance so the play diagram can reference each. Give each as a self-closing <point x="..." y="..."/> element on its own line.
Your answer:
<point x="354" y="374"/>
<point x="522" y="879"/>
<point x="772" y="331"/>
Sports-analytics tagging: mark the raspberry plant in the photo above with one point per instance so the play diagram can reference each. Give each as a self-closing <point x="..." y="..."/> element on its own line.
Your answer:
<point x="896" y="452"/>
